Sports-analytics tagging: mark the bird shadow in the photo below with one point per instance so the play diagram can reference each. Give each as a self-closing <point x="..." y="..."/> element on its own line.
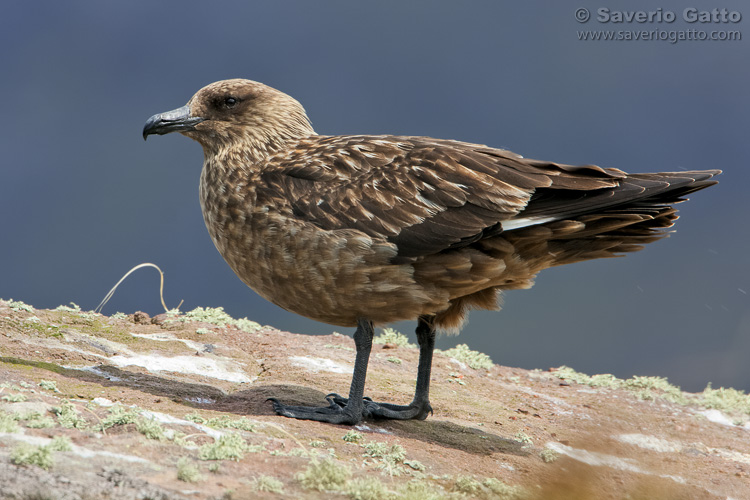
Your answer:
<point x="253" y="401"/>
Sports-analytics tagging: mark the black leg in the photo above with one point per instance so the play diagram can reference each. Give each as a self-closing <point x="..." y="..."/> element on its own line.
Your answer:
<point x="352" y="411"/>
<point x="420" y="407"/>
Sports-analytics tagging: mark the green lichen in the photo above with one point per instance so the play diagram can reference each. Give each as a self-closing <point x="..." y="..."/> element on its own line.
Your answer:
<point x="650" y="388"/>
<point x="352" y="436"/>
<point x="368" y="488"/>
<point x="49" y="385"/>
<point x="224" y="422"/>
<point x="391" y="336"/>
<point x="150" y="428"/>
<point x="415" y="465"/>
<point x="74" y="309"/>
<point x="60" y="443"/>
<point x="489" y="488"/>
<point x="324" y="476"/>
<point x="119" y="315"/>
<point x="36" y="420"/>
<point x="17" y="305"/>
<point x="549" y="455"/>
<point x="68" y="416"/>
<point x="394" y="360"/>
<point x="187" y="471"/>
<point x="728" y="400"/>
<point x="420" y="490"/>
<point x="27" y="454"/>
<point x="524" y="438"/>
<point x="269" y="484"/>
<point x="217" y="316"/>
<point x="501" y="491"/>
<point x="456" y="378"/>
<point x="389" y="458"/>
<point x="474" y="359"/>
<point x="118" y="415"/>
<point x="230" y="446"/>
<point x="8" y="423"/>
<point x="15" y="398"/>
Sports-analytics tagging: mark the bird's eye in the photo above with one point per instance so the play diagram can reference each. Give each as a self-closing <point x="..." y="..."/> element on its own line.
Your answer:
<point x="230" y="102"/>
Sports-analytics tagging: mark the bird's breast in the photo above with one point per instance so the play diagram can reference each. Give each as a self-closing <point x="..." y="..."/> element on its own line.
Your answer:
<point x="333" y="276"/>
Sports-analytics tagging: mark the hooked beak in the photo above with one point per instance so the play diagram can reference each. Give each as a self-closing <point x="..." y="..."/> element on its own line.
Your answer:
<point x="177" y="120"/>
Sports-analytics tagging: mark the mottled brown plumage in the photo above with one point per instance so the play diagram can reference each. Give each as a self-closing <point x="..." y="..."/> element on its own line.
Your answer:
<point x="359" y="230"/>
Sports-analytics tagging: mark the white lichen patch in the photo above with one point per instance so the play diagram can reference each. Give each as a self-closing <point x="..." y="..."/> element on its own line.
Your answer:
<point x="717" y="417"/>
<point x="168" y="337"/>
<point x="196" y="365"/>
<point x="604" y="460"/>
<point x="316" y="365"/>
<point x="77" y="450"/>
<point x="650" y="443"/>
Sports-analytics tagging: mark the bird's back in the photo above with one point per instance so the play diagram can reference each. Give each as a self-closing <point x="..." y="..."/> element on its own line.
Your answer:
<point x="391" y="228"/>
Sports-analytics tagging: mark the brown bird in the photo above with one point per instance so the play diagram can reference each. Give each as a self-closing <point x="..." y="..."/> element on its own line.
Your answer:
<point x="362" y="230"/>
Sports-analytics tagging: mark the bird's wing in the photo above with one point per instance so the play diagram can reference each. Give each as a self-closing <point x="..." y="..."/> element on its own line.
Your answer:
<point x="423" y="195"/>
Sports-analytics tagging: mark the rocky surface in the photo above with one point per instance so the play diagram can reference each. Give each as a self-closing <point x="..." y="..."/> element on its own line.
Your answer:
<point x="173" y="407"/>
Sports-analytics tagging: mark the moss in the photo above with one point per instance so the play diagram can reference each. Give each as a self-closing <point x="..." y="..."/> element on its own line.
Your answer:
<point x="187" y="471"/>
<point x="269" y="484"/>
<point x="26" y="454"/>
<point x="473" y="359"/>
<point x="228" y="447"/>
<point x="369" y="488"/>
<point x="391" y="336"/>
<point x="352" y="436"/>
<point x="324" y="476"/>
<point x="394" y="360"/>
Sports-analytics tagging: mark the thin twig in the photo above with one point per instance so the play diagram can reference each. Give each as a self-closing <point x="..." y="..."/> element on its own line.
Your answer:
<point x="161" y="287"/>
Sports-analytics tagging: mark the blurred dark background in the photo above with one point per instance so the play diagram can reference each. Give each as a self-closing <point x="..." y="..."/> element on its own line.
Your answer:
<point x="83" y="198"/>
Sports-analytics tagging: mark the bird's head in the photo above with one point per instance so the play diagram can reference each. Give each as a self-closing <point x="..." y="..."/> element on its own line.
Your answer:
<point x="232" y="114"/>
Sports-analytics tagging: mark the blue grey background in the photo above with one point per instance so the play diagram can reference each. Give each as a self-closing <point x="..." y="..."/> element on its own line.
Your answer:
<point x="83" y="198"/>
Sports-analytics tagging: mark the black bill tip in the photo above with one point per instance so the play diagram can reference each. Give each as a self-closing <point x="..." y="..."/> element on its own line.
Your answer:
<point x="177" y="120"/>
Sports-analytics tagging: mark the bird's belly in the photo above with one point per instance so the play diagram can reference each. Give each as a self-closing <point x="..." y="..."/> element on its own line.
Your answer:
<point x="335" y="277"/>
